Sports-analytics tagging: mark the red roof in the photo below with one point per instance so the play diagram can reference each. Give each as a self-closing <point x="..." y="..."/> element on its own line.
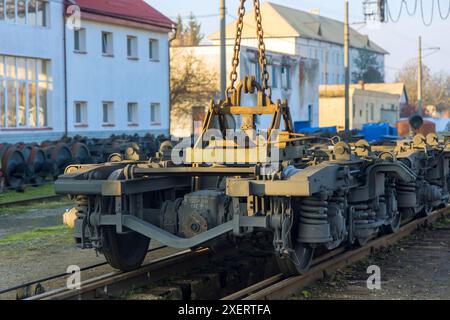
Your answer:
<point x="134" y="10"/>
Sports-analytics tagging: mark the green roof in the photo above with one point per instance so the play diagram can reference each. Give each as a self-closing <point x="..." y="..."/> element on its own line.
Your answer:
<point x="285" y="22"/>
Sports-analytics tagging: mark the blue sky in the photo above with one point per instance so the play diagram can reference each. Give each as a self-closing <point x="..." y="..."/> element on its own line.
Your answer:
<point x="400" y="39"/>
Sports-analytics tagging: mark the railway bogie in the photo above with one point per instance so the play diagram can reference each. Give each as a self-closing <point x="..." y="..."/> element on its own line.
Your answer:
<point x="310" y="195"/>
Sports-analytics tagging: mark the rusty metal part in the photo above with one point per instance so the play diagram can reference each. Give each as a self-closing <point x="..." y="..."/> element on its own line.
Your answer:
<point x="278" y="287"/>
<point x="116" y="283"/>
<point x="261" y="49"/>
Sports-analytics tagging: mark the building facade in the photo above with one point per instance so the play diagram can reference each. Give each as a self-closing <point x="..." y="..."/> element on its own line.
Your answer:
<point x="108" y="73"/>
<point x="308" y="35"/>
<point x="291" y="77"/>
<point x="118" y="67"/>
<point x="31" y="70"/>
<point x="366" y="106"/>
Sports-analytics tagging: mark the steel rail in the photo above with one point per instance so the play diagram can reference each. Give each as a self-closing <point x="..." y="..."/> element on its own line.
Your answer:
<point x="278" y="287"/>
<point x="62" y="275"/>
<point x="31" y="200"/>
<point x="116" y="283"/>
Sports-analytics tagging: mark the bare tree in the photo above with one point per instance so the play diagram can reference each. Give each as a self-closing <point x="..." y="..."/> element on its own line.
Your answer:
<point x="192" y="83"/>
<point x="436" y="86"/>
<point x="189" y="35"/>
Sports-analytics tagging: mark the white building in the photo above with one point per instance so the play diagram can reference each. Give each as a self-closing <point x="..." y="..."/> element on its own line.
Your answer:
<point x="109" y="76"/>
<point x="308" y="35"/>
<point x="291" y="77"/>
<point x="31" y="70"/>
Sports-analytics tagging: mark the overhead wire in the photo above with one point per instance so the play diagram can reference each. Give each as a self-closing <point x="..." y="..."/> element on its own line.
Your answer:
<point x="412" y="11"/>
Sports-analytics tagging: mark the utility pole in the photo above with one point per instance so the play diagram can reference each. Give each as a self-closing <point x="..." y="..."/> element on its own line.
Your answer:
<point x="223" y="52"/>
<point x="420" y="81"/>
<point x="347" y="69"/>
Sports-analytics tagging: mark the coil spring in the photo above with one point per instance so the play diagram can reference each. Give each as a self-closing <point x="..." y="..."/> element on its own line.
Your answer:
<point x="82" y="203"/>
<point x="406" y="187"/>
<point x="313" y="211"/>
<point x="362" y="211"/>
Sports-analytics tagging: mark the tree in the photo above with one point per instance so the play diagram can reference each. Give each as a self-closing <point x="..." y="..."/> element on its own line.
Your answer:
<point x="192" y="83"/>
<point x="436" y="86"/>
<point x="189" y="35"/>
<point x="368" y="69"/>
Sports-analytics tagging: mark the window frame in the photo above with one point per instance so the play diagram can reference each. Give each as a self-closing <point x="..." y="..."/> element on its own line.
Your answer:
<point x="286" y="72"/>
<point x="83" y="114"/>
<point x="81" y="40"/>
<point x="29" y="77"/>
<point x="109" y="47"/>
<point x="151" y="50"/>
<point x="155" y="122"/>
<point x="135" y="115"/>
<point x="131" y="47"/>
<point x="110" y="119"/>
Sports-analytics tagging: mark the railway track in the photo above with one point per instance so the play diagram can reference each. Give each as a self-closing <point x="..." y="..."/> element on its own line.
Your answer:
<point x="278" y="287"/>
<point x="116" y="283"/>
<point x="31" y="201"/>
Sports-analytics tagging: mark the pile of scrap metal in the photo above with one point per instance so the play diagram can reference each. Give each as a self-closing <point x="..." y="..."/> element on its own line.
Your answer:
<point x="309" y="195"/>
<point x="32" y="164"/>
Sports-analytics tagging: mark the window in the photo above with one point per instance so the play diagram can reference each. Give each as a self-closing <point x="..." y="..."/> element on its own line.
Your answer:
<point x="256" y="71"/>
<point x="286" y="77"/>
<point x="24" y="84"/>
<point x="132" y="113"/>
<point x="41" y="12"/>
<point x="23" y="92"/>
<point x="31" y="12"/>
<point x="107" y="44"/>
<point x="10" y="11"/>
<point x="372" y="111"/>
<point x="79" y="36"/>
<point x="155" y="114"/>
<point x="108" y="113"/>
<point x="21" y="11"/>
<point x="273" y="76"/>
<point x="80" y="113"/>
<point x="2" y="11"/>
<point x="132" y="47"/>
<point x="153" y="49"/>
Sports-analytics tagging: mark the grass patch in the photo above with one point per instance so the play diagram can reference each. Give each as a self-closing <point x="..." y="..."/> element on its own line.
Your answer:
<point x="30" y="192"/>
<point x="49" y="235"/>
<point x="37" y="206"/>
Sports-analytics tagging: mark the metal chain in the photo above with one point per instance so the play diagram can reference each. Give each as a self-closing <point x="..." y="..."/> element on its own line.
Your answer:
<point x="261" y="47"/>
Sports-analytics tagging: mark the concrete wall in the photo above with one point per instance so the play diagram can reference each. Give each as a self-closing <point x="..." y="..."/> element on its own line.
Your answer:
<point x="41" y="43"/>
<point x="94" y="78"/>
<point x="386" y="108"/>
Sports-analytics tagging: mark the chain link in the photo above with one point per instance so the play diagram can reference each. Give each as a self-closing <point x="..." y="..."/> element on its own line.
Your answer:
<point x="261" y="48"/>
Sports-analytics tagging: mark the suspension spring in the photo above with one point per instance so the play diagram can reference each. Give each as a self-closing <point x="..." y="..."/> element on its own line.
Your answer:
<point x="313" y="211"/>
<point x="82" y="203"/>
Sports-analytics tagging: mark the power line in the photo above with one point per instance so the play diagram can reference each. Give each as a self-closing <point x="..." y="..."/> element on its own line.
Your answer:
<point x="412" y="11"/>
<point x="440" y="11"/>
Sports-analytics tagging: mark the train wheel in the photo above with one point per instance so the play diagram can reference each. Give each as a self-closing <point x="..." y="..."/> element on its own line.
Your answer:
<point x="125" y="252"/>
<point x="298" y="261"/>
<point x="395" y="223"/>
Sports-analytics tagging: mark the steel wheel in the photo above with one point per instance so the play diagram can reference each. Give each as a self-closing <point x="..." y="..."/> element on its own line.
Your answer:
<point x="395" y="223"/>
<point x="125" y="252"/>
<point x="298" y="261"/>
